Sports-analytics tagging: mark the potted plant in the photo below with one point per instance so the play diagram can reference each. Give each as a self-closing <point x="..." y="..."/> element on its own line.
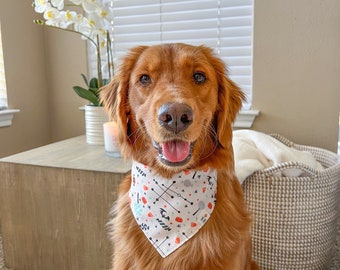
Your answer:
<point x="91" y="93"/>
<point x="92" y="21"/>
<point x="95" y="115"/>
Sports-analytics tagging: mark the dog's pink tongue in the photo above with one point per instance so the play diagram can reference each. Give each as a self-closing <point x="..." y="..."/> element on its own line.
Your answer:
<point x="175" y="151"/>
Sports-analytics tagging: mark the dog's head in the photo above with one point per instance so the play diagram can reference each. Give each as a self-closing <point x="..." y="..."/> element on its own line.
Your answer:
<point x="175" y="107"/>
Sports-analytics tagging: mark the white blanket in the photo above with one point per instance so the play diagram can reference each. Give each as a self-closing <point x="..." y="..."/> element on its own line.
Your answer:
<point x="255" y="151"/>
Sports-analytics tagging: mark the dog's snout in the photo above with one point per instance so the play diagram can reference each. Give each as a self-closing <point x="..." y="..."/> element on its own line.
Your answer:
<point x="175" y="117"/>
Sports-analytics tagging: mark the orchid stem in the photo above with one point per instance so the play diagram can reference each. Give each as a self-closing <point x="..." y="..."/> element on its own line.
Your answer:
<point x="99" y="65"/>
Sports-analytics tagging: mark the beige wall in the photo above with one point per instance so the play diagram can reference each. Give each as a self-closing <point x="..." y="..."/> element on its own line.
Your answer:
<point x="24" y="52"/>
<point x="41" y="66"/>
<point x="66" y="58"/>
<point x="296" y="74"/>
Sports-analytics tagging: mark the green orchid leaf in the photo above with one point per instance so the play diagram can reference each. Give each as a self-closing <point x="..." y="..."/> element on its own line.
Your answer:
<point x="95" y="91"/>
<point x="93" y="83"/>
<point x="106" y="81"/>
<point x="85" y="79"/>
<point x="86" y="94"/>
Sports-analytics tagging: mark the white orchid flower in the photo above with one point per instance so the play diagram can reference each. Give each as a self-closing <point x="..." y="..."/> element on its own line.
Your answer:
<point x="67" y="18"/>
<point x="82" y="25"/>
<point x="93" y="25"/>
<point x="59" y="4"/>
<point x="102" y="12"/>
<point x="93" y="21"/>
<point x="90" y="6"/>
<point x="40" y="6"/>
<point x="97" y="21"/>
<point x="105" y="11"/>
<point x="52" y="16"/>
<point x="78" y="18"/>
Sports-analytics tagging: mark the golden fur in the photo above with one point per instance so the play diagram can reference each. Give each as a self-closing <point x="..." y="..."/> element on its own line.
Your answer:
<point x="224" y="241"/>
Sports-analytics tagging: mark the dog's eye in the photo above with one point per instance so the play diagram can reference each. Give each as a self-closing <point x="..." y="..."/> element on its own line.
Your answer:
<point x="199" y="77"/>
<point x="145" y="80"/>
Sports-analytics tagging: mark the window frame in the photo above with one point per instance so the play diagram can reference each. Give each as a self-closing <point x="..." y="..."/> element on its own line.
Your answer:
<point x="6" y="115"/>
<point x="3" y="88"/>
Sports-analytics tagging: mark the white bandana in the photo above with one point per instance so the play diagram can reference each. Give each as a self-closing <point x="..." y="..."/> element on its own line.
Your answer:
<point x="171" y="211"/>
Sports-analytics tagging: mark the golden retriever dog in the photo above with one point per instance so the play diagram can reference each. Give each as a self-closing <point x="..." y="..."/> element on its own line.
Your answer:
<point x="175" y="106"/>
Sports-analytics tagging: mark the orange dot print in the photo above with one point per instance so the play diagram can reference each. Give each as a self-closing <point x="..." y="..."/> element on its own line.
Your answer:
<point x="179" y="219"/>
<point x="144" y="200"/>
<point x="177" y="240"/>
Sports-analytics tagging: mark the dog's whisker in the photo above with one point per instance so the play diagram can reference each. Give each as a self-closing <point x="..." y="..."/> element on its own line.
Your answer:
<point x="210" y="133"/>
<point x="139" y="134"/>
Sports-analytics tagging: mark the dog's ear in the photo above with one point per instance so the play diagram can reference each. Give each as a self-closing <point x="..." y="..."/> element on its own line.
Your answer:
<point x="114" y="97"/>
<point x="230" y="99"/>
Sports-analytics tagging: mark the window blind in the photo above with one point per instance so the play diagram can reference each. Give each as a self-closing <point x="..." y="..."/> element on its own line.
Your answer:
<point x="3" y="93"/>
<point x="225" y="25"/>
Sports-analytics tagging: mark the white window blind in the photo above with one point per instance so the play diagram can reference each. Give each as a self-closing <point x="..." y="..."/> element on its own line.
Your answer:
<point x="3" y="93"/>
<point x="225" y="25"/>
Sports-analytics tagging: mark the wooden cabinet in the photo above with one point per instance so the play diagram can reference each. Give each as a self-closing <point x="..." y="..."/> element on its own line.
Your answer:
<point x="54" y="206"/>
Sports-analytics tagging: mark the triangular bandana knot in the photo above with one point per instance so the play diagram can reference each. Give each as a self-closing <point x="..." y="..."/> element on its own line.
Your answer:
<point x="171" y="211"/>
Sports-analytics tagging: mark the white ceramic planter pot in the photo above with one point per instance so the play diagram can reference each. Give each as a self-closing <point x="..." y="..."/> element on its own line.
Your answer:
<point x="95" y="117"/>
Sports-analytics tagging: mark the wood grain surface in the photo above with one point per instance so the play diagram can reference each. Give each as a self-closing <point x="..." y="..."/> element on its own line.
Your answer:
<point x="54" y="207"/>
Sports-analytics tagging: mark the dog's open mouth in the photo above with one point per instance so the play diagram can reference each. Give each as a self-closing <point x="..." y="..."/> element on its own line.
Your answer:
<point x="174" y="152"/>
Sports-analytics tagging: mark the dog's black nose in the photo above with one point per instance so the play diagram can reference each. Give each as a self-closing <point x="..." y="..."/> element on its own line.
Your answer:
<point x="175" y="117"/>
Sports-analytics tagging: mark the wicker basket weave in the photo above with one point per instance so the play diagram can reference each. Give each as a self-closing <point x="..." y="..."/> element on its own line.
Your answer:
<point x="294" y="218"/>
